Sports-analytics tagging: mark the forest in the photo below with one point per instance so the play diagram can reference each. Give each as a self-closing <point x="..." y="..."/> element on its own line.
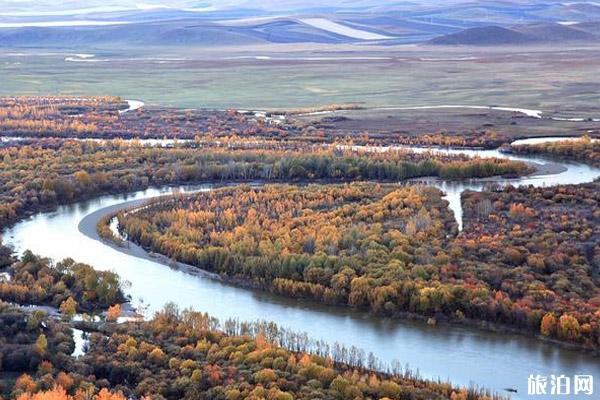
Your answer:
<point x="539" y="250"/>
<point x="30" y="342"/>
<point x="33" y="340"/>
<point x="176" y="354"/>
<point x="69" y="285"/>
<point x="38" y="176"/>
<point x="51" y="116"/>
<point x="524" y="257"/>
<point x="296" y="210"/>
<point x="585" y="150"/>
<point x="190" y="355"/>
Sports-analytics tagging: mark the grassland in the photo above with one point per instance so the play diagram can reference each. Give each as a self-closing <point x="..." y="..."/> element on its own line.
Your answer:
<point x="561" y="80"/>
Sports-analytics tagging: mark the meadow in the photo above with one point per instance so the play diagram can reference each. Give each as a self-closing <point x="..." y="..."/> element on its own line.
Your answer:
<point x="311" y="75"/>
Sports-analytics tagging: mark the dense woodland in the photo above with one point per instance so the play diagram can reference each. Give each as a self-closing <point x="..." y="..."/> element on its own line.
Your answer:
<point x="72" y="286"/>
<point x="178" y="354"/>
<point x="189" y="355"/>
<point x="41" y="175"/>
<point x="330" y="243"/>
<point x="32" y="341"/>
<point x="538" y="249"/>
<point x="524" y="254"/>
<point x="528" y="259"/>
<point x="585" y="150"/>
<point x="50" y="116"/>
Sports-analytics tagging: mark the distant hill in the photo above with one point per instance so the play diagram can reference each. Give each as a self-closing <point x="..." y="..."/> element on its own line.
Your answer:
<point x="124" y="34"/>
<point x="387" y="22"/>
<point x="584" y="7"/>
<point x="554" y="32"/>
<point x="520" y="34"/>
<point x="589" y="27"/>
<point x="172" y="33"/>
<point x="484" y="36"/>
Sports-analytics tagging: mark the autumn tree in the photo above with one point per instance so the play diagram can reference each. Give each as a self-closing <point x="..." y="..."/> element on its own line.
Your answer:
<point x="568" y="328"/>
<point x="41" y="344"/>
<point x="113" y="313"/>
<point x="548" y="325"/>
<point x="68" y="307"/>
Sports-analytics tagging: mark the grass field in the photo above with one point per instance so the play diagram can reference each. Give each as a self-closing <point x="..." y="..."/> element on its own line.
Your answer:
<point x="556" y="80"/>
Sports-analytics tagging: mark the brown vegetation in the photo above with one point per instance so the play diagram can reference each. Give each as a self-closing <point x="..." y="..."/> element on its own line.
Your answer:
<point x="584" y="150"/>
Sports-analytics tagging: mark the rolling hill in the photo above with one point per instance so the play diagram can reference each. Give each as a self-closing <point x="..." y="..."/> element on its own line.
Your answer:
<point x="554" y="32"/>
<point x="484" y="36"/>
<point x="179" y="32"/>
<point x="516" y="35"/>
<point x="240" y="22"/>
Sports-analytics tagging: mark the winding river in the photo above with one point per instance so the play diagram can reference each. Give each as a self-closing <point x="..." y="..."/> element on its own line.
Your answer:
<point x="463" y="355"/>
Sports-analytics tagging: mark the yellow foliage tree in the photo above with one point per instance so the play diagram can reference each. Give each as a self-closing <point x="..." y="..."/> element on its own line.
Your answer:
<point x="568" y="327"/>
<point x="25" y="384"/>
<point x="59" y="393"/>
<point x="548" y="324"/>
<point x="41" y="344"/>
<point x="68" y="307"/>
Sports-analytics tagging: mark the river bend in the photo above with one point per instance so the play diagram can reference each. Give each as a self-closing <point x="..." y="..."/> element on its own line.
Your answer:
<point x="460" y="354"/>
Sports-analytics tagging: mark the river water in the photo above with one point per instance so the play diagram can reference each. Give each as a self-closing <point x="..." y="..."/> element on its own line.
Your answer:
<point x="462" y="355"/>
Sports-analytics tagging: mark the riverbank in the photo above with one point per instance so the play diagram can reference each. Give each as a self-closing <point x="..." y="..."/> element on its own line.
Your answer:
<point x="88" y="227"/>
<point x="549" y="168"/>
<point x="435" y="352"/>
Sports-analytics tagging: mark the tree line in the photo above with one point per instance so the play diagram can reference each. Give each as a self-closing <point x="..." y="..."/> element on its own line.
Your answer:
<point x="584" y="149"/>
<point x="42" y="175"/>
<point x="190" y="355"/>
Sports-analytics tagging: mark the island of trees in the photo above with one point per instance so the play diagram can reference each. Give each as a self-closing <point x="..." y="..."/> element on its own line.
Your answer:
<point x="69" y="285"/>
<point x="527" y="258"/>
